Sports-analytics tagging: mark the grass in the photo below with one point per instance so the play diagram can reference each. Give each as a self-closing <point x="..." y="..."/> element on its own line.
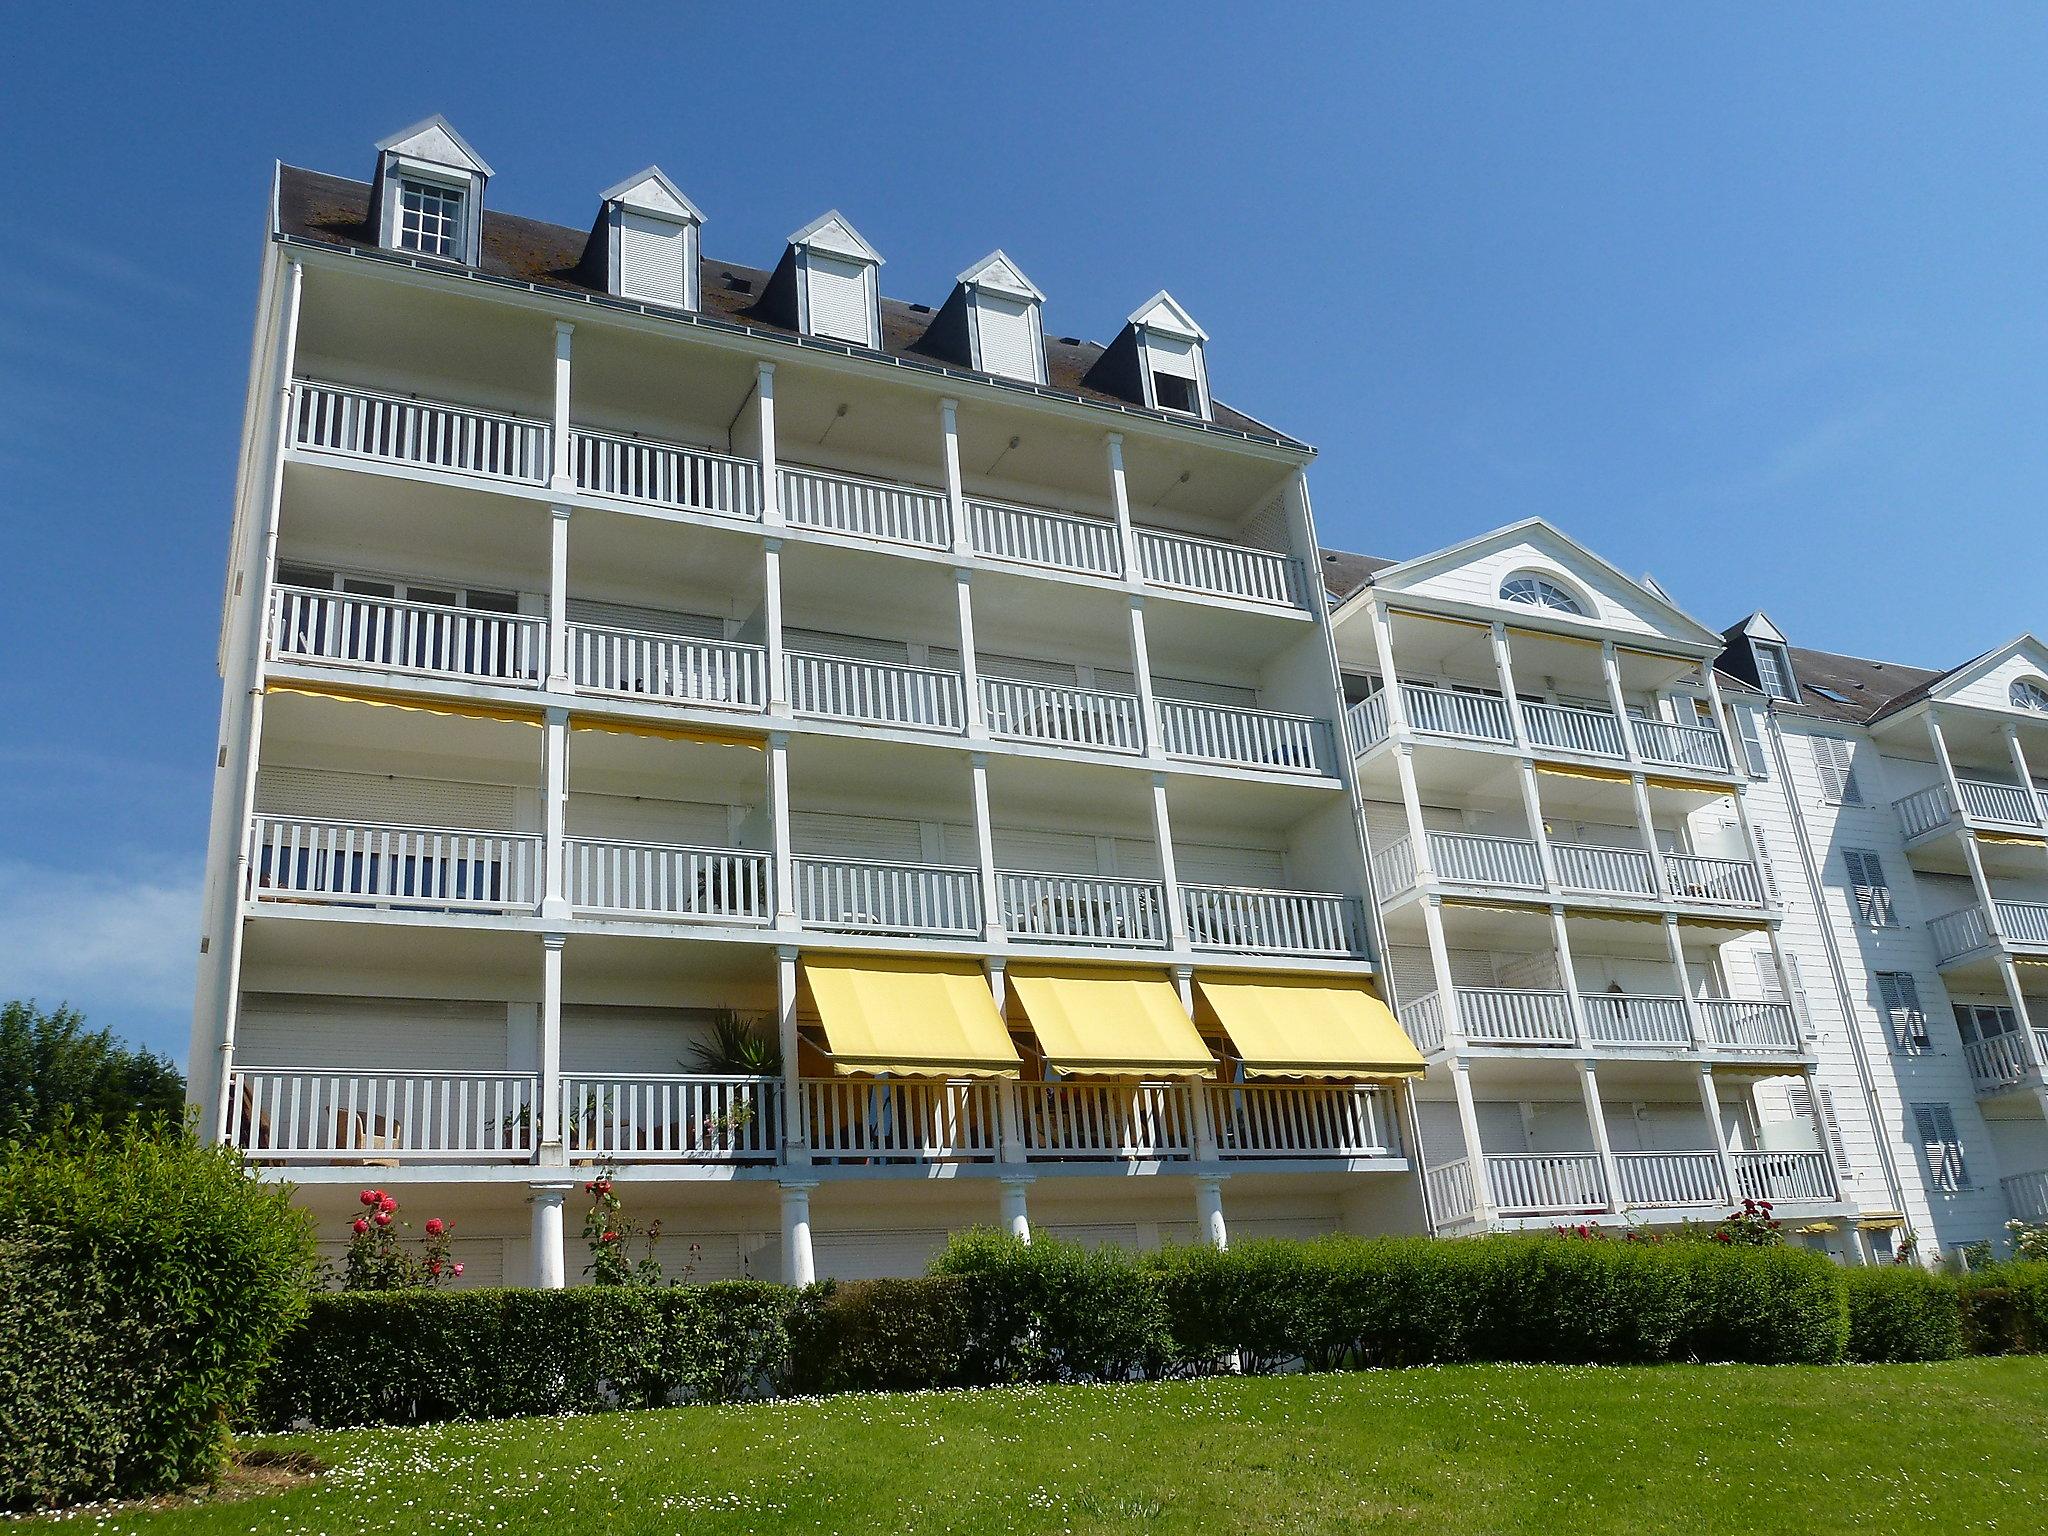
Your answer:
<point x="1466" y="1449"/>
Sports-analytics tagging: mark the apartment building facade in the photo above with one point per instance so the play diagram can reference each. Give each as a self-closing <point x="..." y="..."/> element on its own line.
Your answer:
<point x="861" y="768"/>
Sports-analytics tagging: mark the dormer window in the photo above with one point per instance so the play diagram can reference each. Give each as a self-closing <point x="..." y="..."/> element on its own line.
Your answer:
<point x="650" y="234"/>
<point x="429" y="193"/>
<point x="2028" y="694"/>
<point x="1005" y="331"/>
<point x="1774" y="671"/>
<point x="1175" y="392"/>
<point x="1170" y="356"/>
<point x="838" y="282"/>
<point x="1539" y="592"/>
<point x="429" y="219"/>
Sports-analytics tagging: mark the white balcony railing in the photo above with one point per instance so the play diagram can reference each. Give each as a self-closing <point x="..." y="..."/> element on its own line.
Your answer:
<point x="1959" y="933"/>
<point x="879" y="692"/>
<point x="1637" y="1021"/>
<point x="1514" y="1016"/>
<point x="1248" y="738"/>
<point x="1452" y="712"/>
<point x="1303" y="1120"/>
<point x="1448" y="1190"/>
<point x="1546" y="1183"/>
<point x="297" y="858"/>
<point x="902" y="1119"/>
<point x="2023" y="922"/>
<point x="1671" y="1178"/>
<point x="1058" y="541"/>
<point x="635" y="879"/>
<point x="310" y="624"/>
<point x="1087" y="1121"/>
<point x="1604" y="871"/>
<point x="1062" y="716"/>
<point x="673" y="1117"/>
<point x="1720" y="882"/>
<point x="1269" y="922"/>
<point x="1924" y="810"/>
<point x="1998" y="1062"/>
<point x="874" y="509"/>
<point x="277" y="1113"/>
<point x="636" y="663"/>
<point x="370" y="424"/>
<point x="2002" y="803"/>
<point x="1782" y="1176"/>
<point x="2026" y="1195"/>
<point x="871" y="896"/>
<point x="666" y="474"/>
<point x="1749" y="1024"/>
<point x="1393" y="868"/>
<point x="1680" y="746"/>
<point x="1365" y="722"/>
<point x="1082" y="908"/>
<point x="1567" y="728"/>
<point x="1225" y="570"/>
<point x="1423" y="1022"/>
<point x="1471" y="858"/>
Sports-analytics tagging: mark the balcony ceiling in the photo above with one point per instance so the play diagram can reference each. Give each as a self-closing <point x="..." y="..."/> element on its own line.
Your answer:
<point x="412" y="528"/>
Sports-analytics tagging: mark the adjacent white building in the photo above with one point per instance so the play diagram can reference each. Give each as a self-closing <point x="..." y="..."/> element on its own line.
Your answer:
<point x="629" y="657"/>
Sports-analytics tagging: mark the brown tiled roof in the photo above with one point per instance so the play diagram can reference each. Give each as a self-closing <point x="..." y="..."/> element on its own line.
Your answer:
<point x="1344" y="573"/>
<point x="336" y="210"/>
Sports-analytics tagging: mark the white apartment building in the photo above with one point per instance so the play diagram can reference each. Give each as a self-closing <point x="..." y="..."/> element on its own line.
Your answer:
<point x="629" y="657"/>
<point x="625" y="649"/>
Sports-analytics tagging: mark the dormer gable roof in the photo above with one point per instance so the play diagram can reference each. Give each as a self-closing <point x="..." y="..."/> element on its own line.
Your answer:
<point x="435" y="141"/>
<point x="1163" y="312"/>
<point x="830" y="232"/>
<point x="1982" y="681"/>
<point x="651" y="191"/>
<point x="1757" y="626"/>
<point x="997" y="272"/>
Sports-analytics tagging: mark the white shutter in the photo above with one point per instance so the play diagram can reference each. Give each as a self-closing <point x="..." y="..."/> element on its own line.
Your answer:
<point x="656" y="621"/>
<point x="699" y="823"/>
<point x="330" y="794"/>
<point x="1765" y="864"/>
<point x="1009" y="341"/>
<point x="1750" y="724"/>
<point x="1834" y="759"/>
<point x="1867" y="885"/>
<point x="1026" y="669"/>
<point x="1935" y="1125"/>
<point x="1193" y="691"/>
<point x="599" y="1040"/>
<point x="1900" y="996"/>
<point x="654" y="259"/>
<point x="1830" y="1124"/>
<point x="828" y="642"/>
<point x="1170" y="354"/>
<point x="839" y="298"/>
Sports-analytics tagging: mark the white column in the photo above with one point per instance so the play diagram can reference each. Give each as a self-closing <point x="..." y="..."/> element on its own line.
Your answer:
<point x="2030" y="1043"/>
<point x="554" y="796"/>
<point x="1120" y="502"/>
<point x="550" y="1273"/>
<point x="1820" y="1132"/>
<point x="1752" y="844"/>
<point x="1468" y="1127"/>
<point x="1390" y="682"/>
<point x="1532" y="812"/>
<point x="782" y="857"/>
<point x="1010" y="1146"/>
<point x="2025" y="775"/>
<point x="1568" y="976"/>
<point x="552" y="1149"/>
<point x="799" y="1266"/>
<point x="1016" y="1210"/>
<point x="1695" y="1020"/>
<point x="1610" y="670"/>
<point x="771" y="627"/>
<point x="1729" y="744"/>
<point x="1440" y="968"/>
<point x="1411" y="807"/>
<point x="1209" y="1226"/>
<point x="560" y="671"/>
<point x="956" y="500"/>
<point x="1169" y="877"/>
<point x="985" y="850"/>
<point x="796" y="1131"/>
<point x="1201" y="1113"/>
<point x="1660" y="878"/>
<point x="1596" y="1117"/>
<point x="1504" y="670"/>
<point x="771" y="479"/>
<point x="564" y="477"/>
<point x="970" y="670"/>
<point x="1141" y="677"/>
<point x="1942" y="760"/>
<point x="1781" y="963"/>
<point x="1710" y="1101"/>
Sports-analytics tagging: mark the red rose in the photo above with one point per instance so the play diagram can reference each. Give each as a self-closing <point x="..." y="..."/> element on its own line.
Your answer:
<point x="434" y="1226"/>
<point x="383" y="1218"/>
<point x="611" y="1237"/>
<point x="369" y="1197"/>
<point x="458" y="1269"/>
<point x="434" y="1267"/>
<point x="388" y="1203"/>
<point x="361" y="1226"/>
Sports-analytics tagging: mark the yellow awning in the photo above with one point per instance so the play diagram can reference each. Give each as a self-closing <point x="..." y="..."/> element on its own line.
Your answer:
<point x="911" y="1016"/>
<point x="1570" y="771"/>
<point x="1880" y="1221"/>
<point x="2028" y="960"/>
<point x="1106" y="1022"/>
<point x="1307" y="1026"/>
<point x="1467" y="905"/>
<point x="706" y="735"/>
<point x="1690" y="786"/>
<point x="2011" y="837"/>
<point x="467" y="709"/>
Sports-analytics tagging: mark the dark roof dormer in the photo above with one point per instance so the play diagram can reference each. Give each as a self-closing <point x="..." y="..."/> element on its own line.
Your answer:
<point x="647" y="242"/>
<point x="1759" y="655"/>
<point x="1157" y="360"/>
<point x="428" y="194"/>
<point x="999" y="315"/>
<point x="827" y="284"/>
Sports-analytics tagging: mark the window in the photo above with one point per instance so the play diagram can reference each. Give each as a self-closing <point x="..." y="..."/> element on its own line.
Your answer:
<point x="1537" y="592"/>
<point x="1835" y="761"/>
<point x="1899" y="995"/>
<point x="1749" y="723"/>
<point x="1867" y="885"/>
<point x="1173" y="392"/>
<point x="429" y="219"/>
<point x="2028" y="694"/>
<point x="1984" y="1021"/>
<point x="1935" y="1126"/>
<point x="1774" y="671"/>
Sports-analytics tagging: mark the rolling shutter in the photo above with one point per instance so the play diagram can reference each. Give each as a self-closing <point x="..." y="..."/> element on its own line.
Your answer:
<point x="1049" y="853"/>
<point x="695" y="823"/>
<point x="830" y="642"/>
<point x="839" y="298"/>
<point x="831" y="835"/>
<point x="656" y="621"/>
<point x="1009" y="341"/>
<point x="605" y="1040"/>
<point x="1214" y="864"/>
<point x="330" y="794"/>
<point x="373" y="1034"/>
<point x="654" y="259"/>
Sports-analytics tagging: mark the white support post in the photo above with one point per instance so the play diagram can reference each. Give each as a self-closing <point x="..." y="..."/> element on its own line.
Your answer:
<point x="554" y="795"/>
<point x="1610" y="671"/>
<point x="970" y="669"/>
<point x="796" y="1130"/>
<point x="1504" y="672"/>
<point x="1729" y="744"/>
<point x="1209" y="1212"/>
<point x="1568" y="977"/>
<point x="553" y="1148"/>
<point x="799" y="1265"/>
<point x="1468" y="1127"/>
<point x="1010" y="1146"/>
<point x="771" y="627"/>
<point x="562" y="481"/>
<point x="1695" y="1019"/>
<point x="1411" y="807"/>
<point x="2025" y="774"/>
<point x="1939" y="742"/>
<point x="1596" y="1117"/>
<point x="1169" y="876"/>
<point x="1016" y="1209"/>
<point x="549" y="1269"/>
<point x="1120" y="504"/>
<point x="772" y="515"/>
<point x="782" y="855"/>
<point x="560" y="668"/>
<point x="1390" y="682"/>
<point x="1539" y="834"/>
<point x="1710" y="1101"/>
<point x="1141" y="678"/>
<point x="956" y="498"/>
<point x="1752" y="844"/>
<point x="1660" y="877"/>
<point x="992" y="928"/>
<point x="1201" y="1112"/>
<point x="1440" y="968"/>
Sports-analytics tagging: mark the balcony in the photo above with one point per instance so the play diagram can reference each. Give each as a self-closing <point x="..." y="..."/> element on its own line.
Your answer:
<point x="2000" y="1062"/>
<point x="1515" y="1016"/>
<point x="672" y="1117"/>
<point x="299" y="859"/>
<point x="1568" y="728"/>
<point x="1057" y="715"/>
<point x="1545" y="1183"/>
<point x="2001" y="806"/>
<point x="1572" y="1184"/>
<point x="1744" y="1024"/>
<point x="1591" y="870"/>
<point x="1272" y="1120"/>
<point x="609" y="878"/>
<point x="662" y="474"/>
<point x="1653" y="1179"/>
<point x="2026" y="1195"/>
<point x="876" y="692"/>
<point x="642" y="664"/>
<point x="424" y="434"/>
<point x="1534" y="1018"/>
<point x="418" y="639"/>
<point x="1106" y="1121"/>
<point x="1082" y="909"/>
<point x="870" y="509"/>
<point x="873" y="896"/>
<point x="1460" y="858"/>
<point x="1636" y="1021"/>
<point x="1053" y="541"/>
<point x="1785" y="1177"/>
<point x="1680" y="746"/>
<point x="1271" y="922"/>
<point x="1213" y="568"/>
<point x="307" y="1114"/>
<point x="1964" y="932"/>
<point x="1245" y="738"/>
<point x="1713" y="882"/>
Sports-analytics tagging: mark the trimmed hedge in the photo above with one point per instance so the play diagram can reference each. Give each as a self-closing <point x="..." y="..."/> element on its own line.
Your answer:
<point x="1902" y="1313"/>
<point x="2005" y="1310"/>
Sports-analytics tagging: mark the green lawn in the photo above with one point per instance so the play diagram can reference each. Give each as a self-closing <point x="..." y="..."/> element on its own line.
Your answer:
<point x="1962" y="1446"/>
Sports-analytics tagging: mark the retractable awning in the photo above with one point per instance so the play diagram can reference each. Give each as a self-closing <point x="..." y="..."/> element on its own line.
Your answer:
<point x="1307" y="1026"/>
<point x="1111" y="1022"/>
<point x="426" y="704"/>
<point x="910" y="1016"/>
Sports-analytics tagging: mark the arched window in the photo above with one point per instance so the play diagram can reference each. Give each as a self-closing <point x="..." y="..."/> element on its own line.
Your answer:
<point x="2028" y="694"/>
<point x="1539" y="592"/>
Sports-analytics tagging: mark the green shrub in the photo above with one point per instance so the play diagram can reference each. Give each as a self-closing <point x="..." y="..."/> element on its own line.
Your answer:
<point x="1900" y="1312"/>
<point x="1054" y="1311"/>
<point x="417" y="1357"/>
<point x="1761" y="1306"/>
<point x="148" y="1282"/>
<point x="2005" y="1310"/>
<point x="881" y="1336"/>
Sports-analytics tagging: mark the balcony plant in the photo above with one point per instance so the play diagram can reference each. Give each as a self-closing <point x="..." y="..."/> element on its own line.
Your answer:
<point x="738" y="1045"/>
<point x="2029" y="1240"/>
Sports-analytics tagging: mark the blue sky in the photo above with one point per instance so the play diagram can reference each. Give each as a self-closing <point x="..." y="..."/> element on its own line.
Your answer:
<point x="1748" y="298"/>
